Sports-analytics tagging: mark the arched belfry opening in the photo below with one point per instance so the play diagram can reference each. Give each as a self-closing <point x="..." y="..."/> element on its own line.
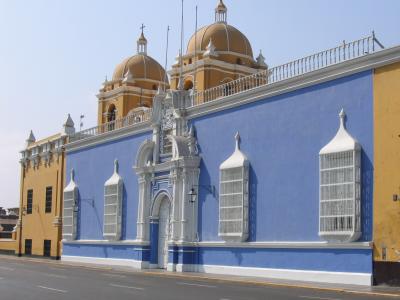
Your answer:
<point x="111" y="113"/>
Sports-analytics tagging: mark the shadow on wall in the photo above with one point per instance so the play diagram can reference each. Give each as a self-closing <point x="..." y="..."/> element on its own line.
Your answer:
<point x="124" y="212"/>
<point x="253" y="181"/>
<point x="367" y="171"/>
<point x="204" y="179"/>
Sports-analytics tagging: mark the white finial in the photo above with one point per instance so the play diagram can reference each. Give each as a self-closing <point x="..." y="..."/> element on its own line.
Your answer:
<point x="116" y="166"/>
<point x="128" y="76"/>
<point x="261" y="60"/>
<point x="237" y="139"/>
<point x="72" y="175"/>
<point x="31" y="139"/>
<point x="68" y="126"/>
<point x="160" y="90"/>
<point x="210" y="49"/>
<point x="342" y="116"/>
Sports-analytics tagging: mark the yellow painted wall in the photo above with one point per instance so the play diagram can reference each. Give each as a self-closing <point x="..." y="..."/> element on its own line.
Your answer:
<point x="40" y="225"/>
<point x="387" y="162"/>
<point x="8" y="244"/>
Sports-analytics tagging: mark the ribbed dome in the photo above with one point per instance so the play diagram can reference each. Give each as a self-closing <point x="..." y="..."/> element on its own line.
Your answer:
<point x="224" y="37"/>
<point x="140" y="66"/>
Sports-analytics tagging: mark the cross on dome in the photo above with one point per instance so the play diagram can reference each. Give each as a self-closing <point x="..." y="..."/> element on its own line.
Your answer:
<point x="142" y="42"/>
<point x="221" y="12"/>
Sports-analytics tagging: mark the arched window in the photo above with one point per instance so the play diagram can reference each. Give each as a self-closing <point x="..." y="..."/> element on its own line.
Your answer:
<point x="239" y="61"/>
<point x="111" y="113"/>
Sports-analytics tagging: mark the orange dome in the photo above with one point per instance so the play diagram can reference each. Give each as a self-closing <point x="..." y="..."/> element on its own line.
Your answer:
<point x="140" y="66"/>
<point x="224" y="37"/>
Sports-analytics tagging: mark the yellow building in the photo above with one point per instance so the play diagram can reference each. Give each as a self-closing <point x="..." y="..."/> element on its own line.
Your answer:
<point x="386" y="174"/>
<point x="38" y="231"/>
<point x="134" y="84"/>
<point x="216" y="54"/>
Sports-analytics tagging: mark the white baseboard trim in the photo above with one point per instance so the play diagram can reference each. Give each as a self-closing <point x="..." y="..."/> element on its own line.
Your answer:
<point x="286" y="274"/>
<point x="136" y="264"/>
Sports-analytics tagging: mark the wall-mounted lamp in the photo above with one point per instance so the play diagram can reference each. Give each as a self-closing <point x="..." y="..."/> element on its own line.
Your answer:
<point x="192" y="193"/>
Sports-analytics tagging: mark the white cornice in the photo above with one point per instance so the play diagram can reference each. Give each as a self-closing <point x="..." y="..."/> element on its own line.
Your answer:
<point x="125" y="90"/>
<point x="106" y="242"/>
<point x="282" y="245"/>
<point x="214" y="62"/>
<point x="109" y="136"/>
<point x="367" y="62"/>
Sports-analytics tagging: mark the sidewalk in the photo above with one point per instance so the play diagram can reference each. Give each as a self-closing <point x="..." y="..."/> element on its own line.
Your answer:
<point x="382" y="290"/>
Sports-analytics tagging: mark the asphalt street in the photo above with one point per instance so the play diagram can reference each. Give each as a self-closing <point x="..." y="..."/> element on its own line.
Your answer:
<point x="22" y="279"/>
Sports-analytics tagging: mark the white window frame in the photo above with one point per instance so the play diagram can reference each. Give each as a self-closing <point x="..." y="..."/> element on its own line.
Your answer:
<point x="340" y="188"/>
<point x="70" y="209"/>
<point x="115" y="183"/>
<point x="236" y="163"/>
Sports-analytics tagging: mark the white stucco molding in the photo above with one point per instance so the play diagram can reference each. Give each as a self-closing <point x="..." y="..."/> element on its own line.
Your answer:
<point x="364" y="63"/>
<point x="280" y="245"/>
<point x="107" y="242"/>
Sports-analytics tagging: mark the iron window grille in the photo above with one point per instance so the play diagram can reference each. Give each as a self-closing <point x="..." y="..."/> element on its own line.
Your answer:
<point x="28" y="247"/>
<point x="47" y="248"/>
<point x="29" y="202"/>
<point x="234" y="197"/>
<point x="70" y="209"/>
<point x="340" y="188"/>
<point x="113" y="206"/>
<point x="49" y="199"/>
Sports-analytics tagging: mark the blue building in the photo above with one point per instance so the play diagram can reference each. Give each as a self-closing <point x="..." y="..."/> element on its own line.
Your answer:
<point x="269" y="174"/>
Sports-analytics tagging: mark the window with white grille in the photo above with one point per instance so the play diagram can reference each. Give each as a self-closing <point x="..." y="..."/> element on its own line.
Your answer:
<point x="340" y="189"/>
<point x="70" y="210"/>
<point x="113" y="206"/>
<point x="233" y="197"/>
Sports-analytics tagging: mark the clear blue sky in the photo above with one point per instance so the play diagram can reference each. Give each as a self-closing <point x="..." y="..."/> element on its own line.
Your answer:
<point x="54" y="55"/>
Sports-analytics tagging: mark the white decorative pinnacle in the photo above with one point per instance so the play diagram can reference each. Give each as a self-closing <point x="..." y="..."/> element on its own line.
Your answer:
<point x="342" y="141"/>
<point x="71" y="185"/>
<point x="237" y="159"/>
<point x="115" y="178"/>
<point x="261" y="60"/>
<point x="31" y="139"/>
<point x="128" y="76"/>
<point x="68" y="126"/>
<point x="237" y="139"/>
<point x="210" y="49"/>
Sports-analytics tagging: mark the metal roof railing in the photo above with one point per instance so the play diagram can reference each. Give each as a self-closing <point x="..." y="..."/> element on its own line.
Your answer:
<point x="344" y="52"/>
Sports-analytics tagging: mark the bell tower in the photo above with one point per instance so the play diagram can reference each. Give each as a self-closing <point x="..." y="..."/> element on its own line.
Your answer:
<point x="216" y="54"/>
<point x="134" y="84"/>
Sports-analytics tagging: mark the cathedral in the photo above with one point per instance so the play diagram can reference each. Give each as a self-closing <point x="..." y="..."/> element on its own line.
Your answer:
<point x="223" y="164"/>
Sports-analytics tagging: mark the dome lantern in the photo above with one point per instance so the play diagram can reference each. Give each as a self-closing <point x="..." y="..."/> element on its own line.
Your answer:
<point x="221" y="12"/>
<point x="142" y="43"/>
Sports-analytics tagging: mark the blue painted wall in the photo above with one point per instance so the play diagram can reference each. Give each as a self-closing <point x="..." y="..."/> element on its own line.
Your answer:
<point x="282" y="137"/>
<point x="93" y="167"/>
<point x="335" y="260"/>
